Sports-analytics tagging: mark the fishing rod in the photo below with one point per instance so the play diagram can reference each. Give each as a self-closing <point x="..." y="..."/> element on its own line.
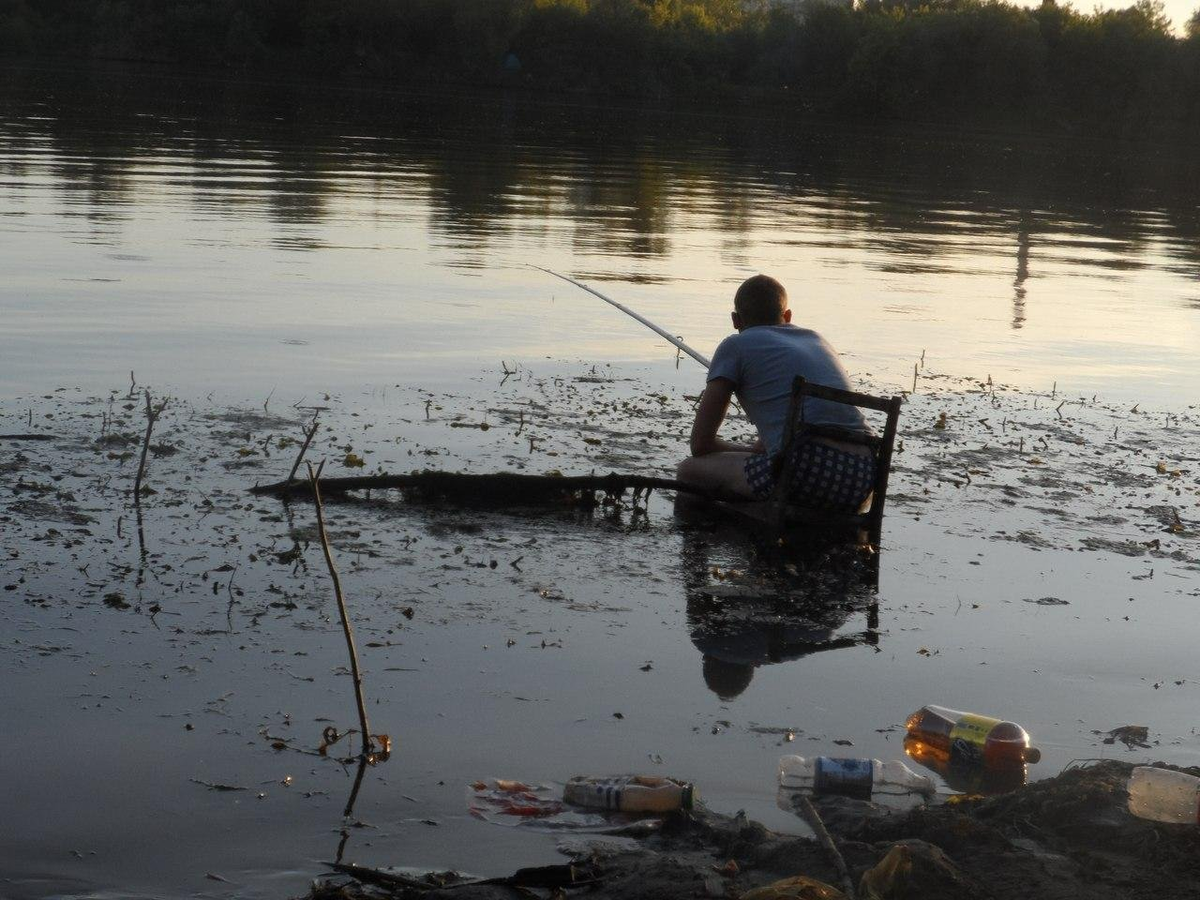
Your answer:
<point x="629" y="312"/>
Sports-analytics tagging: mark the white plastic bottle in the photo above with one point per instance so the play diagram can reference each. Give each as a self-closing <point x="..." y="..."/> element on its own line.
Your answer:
<point x="630" y="793"/>
<point x="862" y="778"/>
<point x="1164" y="795"/>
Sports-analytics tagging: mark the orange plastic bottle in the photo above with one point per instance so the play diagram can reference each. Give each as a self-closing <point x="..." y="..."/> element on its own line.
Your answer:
<point x="970" y="739"/>
<point x="967" y="778"/>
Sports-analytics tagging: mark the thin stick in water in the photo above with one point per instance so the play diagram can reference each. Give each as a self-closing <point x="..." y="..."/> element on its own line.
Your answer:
<point x="314" y="478"/>
<point x="152" y="413"/>
<point x="826" y="841"/>
<point x="308" y="436"/>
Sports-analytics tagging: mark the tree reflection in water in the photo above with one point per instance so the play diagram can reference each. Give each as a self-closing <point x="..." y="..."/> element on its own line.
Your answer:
<point x="486" y="171"/>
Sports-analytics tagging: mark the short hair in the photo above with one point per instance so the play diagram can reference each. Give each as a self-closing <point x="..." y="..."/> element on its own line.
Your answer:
<point x="726" y="679"/>
<point x="761" y="300"/>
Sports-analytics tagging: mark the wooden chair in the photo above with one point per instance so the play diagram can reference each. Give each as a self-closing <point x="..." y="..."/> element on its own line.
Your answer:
<point x="780" y="513"/>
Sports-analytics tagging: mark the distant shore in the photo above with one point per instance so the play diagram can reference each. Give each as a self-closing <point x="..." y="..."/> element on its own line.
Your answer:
<point x="1116" y="73"/>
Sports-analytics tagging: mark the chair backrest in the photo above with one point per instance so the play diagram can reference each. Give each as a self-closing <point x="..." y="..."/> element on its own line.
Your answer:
<point x="880" y="445"/>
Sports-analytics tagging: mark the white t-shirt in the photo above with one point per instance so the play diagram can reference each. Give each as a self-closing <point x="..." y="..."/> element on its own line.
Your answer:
<point x="763" y="360"/>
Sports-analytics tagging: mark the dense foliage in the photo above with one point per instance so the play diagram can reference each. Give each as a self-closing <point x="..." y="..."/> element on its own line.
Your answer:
<point x="1122" y="70"/>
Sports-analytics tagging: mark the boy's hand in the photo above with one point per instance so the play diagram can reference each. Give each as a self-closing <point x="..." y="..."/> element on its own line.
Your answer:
<point x="710" y="413"/>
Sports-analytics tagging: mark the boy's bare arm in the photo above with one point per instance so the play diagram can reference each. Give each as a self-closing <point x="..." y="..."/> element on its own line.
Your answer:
<point x="714" y="403"/>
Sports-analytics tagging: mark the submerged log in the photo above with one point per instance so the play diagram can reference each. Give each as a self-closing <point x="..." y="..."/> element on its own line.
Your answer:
<point x="505" y="486"/>
<point x="559" y="876"/>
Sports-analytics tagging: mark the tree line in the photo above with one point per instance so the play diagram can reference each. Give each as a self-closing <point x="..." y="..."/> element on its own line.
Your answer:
<point x="1123" y="72"/>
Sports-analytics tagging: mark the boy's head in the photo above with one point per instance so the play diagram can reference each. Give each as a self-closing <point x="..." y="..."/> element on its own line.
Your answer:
<point x="760" y="300"/>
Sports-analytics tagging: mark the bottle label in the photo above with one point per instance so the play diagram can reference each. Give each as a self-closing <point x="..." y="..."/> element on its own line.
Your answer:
<point x="609" y="792"/>
<point x="969" y="736"/>
<point x="848" y="777"/>
<point x="598" y="793"/>
<point x="630" y="793"/>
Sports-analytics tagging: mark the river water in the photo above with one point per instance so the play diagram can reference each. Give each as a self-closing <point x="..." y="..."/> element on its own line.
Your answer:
<point x="254" y="249"/>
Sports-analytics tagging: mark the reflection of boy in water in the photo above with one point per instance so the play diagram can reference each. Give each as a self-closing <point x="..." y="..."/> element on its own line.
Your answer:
<point x="731" y="651"/>
<point x="759" y="364"/>
<point x="748" y="607"/>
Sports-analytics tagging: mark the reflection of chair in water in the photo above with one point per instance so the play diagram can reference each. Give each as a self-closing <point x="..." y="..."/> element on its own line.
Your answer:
<point x="782" y="514"/>
<point x="747" y="607"/>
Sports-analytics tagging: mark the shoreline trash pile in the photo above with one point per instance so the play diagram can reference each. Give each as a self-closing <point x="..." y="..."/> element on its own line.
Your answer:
<point x="860" y="796"/>
<point x="1080" y="835"/>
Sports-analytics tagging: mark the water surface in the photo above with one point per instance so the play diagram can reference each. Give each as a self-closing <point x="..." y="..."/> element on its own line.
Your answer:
<point x="302" y="235"/>
<point x="250" y="250"/>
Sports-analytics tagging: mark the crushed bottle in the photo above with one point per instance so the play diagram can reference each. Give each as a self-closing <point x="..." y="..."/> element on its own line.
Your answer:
<point x="630" y="793"/>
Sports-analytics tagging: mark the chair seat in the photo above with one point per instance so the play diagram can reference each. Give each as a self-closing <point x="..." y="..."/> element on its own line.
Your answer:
<point x="778" y="511"/>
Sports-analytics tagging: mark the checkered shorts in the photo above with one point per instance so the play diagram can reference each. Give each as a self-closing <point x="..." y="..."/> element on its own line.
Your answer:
<point x="823" y="477"/>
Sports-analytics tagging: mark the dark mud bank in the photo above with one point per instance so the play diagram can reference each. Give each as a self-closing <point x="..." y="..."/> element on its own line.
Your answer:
<point x="1071" y="836"/>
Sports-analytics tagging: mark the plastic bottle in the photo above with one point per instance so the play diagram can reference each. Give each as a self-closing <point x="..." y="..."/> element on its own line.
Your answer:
<point x="1164" y="795"/>
<point x="967" y="778"/>
<point x="971" y="739"/>
<point x="861" y="778"/>
<point x="630" y="793"/>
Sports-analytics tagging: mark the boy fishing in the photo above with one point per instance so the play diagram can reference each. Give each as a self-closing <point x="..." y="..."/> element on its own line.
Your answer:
<point x="759" y="364"/>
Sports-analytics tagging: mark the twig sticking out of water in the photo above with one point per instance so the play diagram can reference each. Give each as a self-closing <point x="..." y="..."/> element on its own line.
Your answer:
<point x="314" y="478"/>
<point x="349" y="809"/>
<point x="309" y="433"/>
<point x="813" y="818"/>
<point x="152" y="414"/>
<point x="142" y="555"/>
